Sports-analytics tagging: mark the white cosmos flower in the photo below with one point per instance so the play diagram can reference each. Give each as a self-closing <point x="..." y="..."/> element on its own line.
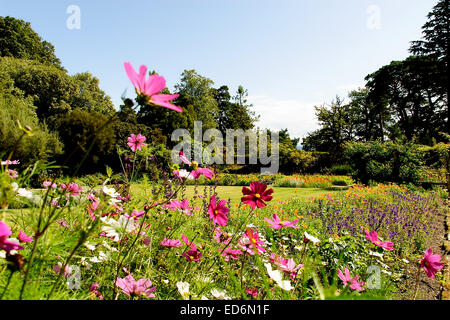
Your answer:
<point x="110" y="192"/>
<point x="221" y="295"/>
<point x="183" y="288"/>
<point x="21" y="192"/>
<point x="311" y="238"/>
<point x="3" y="254"/>
<point x="89" y="246"/>
<point x="107" y="246"/>
<point x="112" y="202"/>
<point x="376" y="254"/>
<point x="276" y="276"/>
<point x="116" y="228"/>
<point x="101" y="257"/>
<point x="86" y="264"/>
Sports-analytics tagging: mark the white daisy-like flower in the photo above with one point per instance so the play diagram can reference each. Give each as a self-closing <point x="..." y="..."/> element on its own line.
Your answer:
<point x="90" y="246"/>
<point x="107" y="246"/>
<point x="276" y="276"/>
<point x="386" y="272"/>
<point x="113" y="201"/>
<point x="376" y="254"/>
<point x="311" y="238"/>
<point x="221" y="295"/>
<point x="24" y="193"/>
<point x="84" y="263"/>
<point x="115" y="228"/>
<point x="183" y="288"/>
<point x="101" y="257"/>
<point x="110" y="192"/>
<point x="3" y="254"/>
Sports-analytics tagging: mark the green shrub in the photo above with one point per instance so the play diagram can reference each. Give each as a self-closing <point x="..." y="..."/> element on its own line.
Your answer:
<point x="341" y="170"/>
<point x="384" y="161"/>
<point x="14" y="108"/>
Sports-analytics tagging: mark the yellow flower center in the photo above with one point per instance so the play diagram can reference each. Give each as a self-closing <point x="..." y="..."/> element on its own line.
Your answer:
<point x="257" y="195"/>
<point x="216" y="212"/>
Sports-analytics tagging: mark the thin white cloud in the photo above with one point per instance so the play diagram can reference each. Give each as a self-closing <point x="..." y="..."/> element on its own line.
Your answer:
<point x="297" y="116"/>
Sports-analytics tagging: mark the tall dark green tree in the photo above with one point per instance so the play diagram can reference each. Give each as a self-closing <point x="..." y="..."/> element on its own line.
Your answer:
<point x="234" y="114"/>
<point x="410" y="99"/>
<point x="338" y="125"/>
<point x="19" y="40"/>
<point x="196" y="92"/>
<point x="435" y="43"/>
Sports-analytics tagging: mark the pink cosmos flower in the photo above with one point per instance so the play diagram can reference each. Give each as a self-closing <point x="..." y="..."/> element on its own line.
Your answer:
<point x="356" y="284"/>
<point x="176" y="205"/>
<point x="48" y="184"/>
<point x="135" y="214"/>
<point x="72" y="189"/>
<point x="62" y="223"/>
<point x="5" y="244"/>
<point x="431" y="263"/>
<point x="171" y="243"/>
<point x="54" y="203"/>
<point x="134" y="288"/>
<point x="250" y="243"/>
<point x="9" y="162"/>
<point x="221" y="237"/>
<point x="186" y="240"/>
<point x="256" y="195"/>
<point x="67" y="270"/>
<point x="146" y="241"/>
<point x="231" y="254"/>
<point x="252" y="292"/>
<point x="23" y="237"/>
<point x="93" y="206"/>
<point x="136" y="142"/>
<point x="197" y="172"/>
<point x="218" y="212"/>
<point x="94" y="289"/>
<point x="373" y="237"/>
<point x="286" y="265"/>
<point x="352" y="282"/>
<point x="278" y="224"/>
<point x="151" y="87"/>
<point x="12" y="173"/>
<point x="345" y="276"/>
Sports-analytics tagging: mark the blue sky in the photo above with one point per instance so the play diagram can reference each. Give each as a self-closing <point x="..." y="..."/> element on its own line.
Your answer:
<point x="289" y="54"/>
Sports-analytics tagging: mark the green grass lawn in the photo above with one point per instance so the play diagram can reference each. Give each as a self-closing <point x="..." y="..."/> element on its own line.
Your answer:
<point x="224" y="192"/>
<point x="235" y="193"/>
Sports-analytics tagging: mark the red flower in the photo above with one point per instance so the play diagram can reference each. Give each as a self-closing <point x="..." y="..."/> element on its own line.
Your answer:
<point x="256" y="195"/>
